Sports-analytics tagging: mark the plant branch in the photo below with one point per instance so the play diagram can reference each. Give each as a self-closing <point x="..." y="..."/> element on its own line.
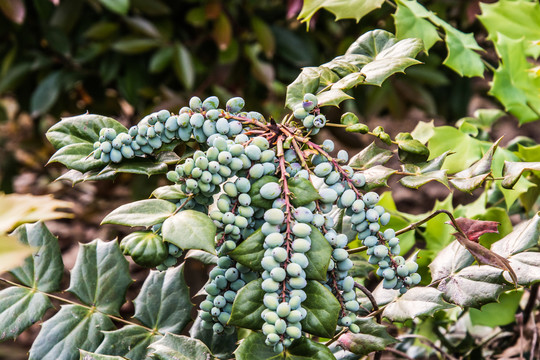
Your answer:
<point x="333" y="339"/>
<point x="357" y="250"/>
<point x="437" y="212"/>
<point x="368" y="293"/>
<point x="91" y="308"/>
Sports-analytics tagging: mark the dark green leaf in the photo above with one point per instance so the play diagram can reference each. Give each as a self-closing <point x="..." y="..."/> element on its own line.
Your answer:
<point x="81" y="129"/>
<point x="264" y="35"/>
<point x="319" y="256"/>
<point x="248" y="306"/>
<point x="417" y="302"/>
<point x="133" y="46"/>
<point x="70" y="329"/>
<point x="512" y="171"/>
<point x="118" y="6"/>
<point x="190" y="229"/>
<point x="161" y="60"/>
<point x="372" y="337"/>
<point x="142" y="26"/>
<point x="141" y="213"/>
<point x="250" y="251"/>
<point x="361" y="267"/>
<point x="202" y="256"/>
<point x="131" y="342"/>
<point x="163" y="302"/>
<point x="142" y="166"/>
<point x="322" y="310"/>
<point x="473" y="286"/>
<point x="19" y="309"/>
<point x="101" y="30"/>
<point x="146" y="248"/>
<point x="303" y="191"/>
<point x="256" y="198"/>
<point x="412" y="151"/>
<point x="46" y="94"/>
<point x="183" y="66"/>
<point x="85" y="355"/>
<point x="100" y="276"/>
<point x="169" y="192"/>
<point x="179" y="347"/>
<point x="370" y="156"/>
<point x="221" y="346"/>
<point x="43" y="271"/>
<point x="77" y="157"/>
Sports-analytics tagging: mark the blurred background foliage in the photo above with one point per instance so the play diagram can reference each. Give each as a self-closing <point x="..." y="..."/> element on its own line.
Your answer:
<point x="126" y="58"/>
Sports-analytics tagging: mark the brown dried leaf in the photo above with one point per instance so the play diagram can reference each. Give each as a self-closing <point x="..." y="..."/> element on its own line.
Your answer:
<point x="476" y="228"/>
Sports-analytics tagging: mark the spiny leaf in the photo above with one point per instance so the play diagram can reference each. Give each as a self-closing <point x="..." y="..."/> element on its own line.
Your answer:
<point x="417" y="302"/>
<point x="371" y="337"/>
<point x="370" y="156"/>
<point x="512" y="171"/>
<point x="179" y="347"/>
<point x="342" y="9"/>
<point x="141" y="213"/>
<point x="131" y="341"/>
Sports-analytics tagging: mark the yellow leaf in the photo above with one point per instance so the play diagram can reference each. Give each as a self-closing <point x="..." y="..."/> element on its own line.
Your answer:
<point x="12" y="252"/>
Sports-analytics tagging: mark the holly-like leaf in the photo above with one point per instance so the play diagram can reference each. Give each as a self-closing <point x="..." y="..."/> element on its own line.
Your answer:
<point x="44" y="269"/>
<point x="370" y="156"/>
<point x="512" y="171"/>
<point x="476" y="228"/>
<point x="524" y="236"/>
<point x="141" y="213"/>
<point x="450" y="260"/>
<point x="130" y="342"/>
<point x="318" y="255"/>
<point x="322" y="310"/>
<point x="221" y="346"/>
<point x="202" y="256"/>
<point x="146" y="248"/>
<point x="499" y="313"/>
<point x="412" y="151"/>
<point x="377" y="176"/>
<point x="19" y="309"/>
<point x="100" y="276"/>
<point x="417" y="302"/>
<point x="306" y="82"/>
<point x="140" y="166"/>
<point x="70" y="329"/>
<point x="77" y="157"/>
<point x="256" y="198"/>
<point x="86" y="355"/>
<point x="527" y="268"/>
<point x="169" y="192"/>
<point x="250" y="251"/>
<point x="332" y="97"/>
<point x="81" y="129"/>
<point x="411" y="22"/>
<point x="164" y="302"/>
<point x="415" y="181"/>
<point x="179" y="347"/>
<point x="473" y="286"/>
<point x="190" y="229"/>
<point x="371" y="337"/>
<point x="342" y="9"/>
<point x="303" y="191"/>
<point x="253" y="347"/>
<point x="248" y="306"/>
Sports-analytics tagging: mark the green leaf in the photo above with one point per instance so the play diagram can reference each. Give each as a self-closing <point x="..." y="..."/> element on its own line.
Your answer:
<point x="462" y="57"/>
<point x="513" y="84"/>
<point x="412" y="151"/>
<point x="264" y="36"/>
<point x="221" y="346"/>
<point x="46" y="93"/>
<point x="248" y="306"/>
<point x="512" y="171"/>
<point x="141" y="166"/>
<point x="256" y="198"/>
<point x="411" y="23"/>
<point x="524" y="236"/>
<point x="101" y="30"/>
<point x="417" y="302"/>
<point x="70" y="329"/>
<point x="190" y="229"/>
<point x="332" y="97"/>
<point x="306" y="82"/>
<point x="473" y="286"/>
<point x="160" y="60"/>
<point x="303" y="191"/>
<point x="141" y="213"/>
<point x="134" y="46"/>
<point x="146" y="248"/>
<point x="388" y="63"/>
<point x="498" y="314"/>
<point x="370" y="156"/>
<point x="377" y="176"/>
<point x="81" y="129"/>
<point x="250" y="251"/>
<point x="164" y="303"/>
<point x="43" y="271"/>
<point x="120" y="7"/>
<point x="349" y="118"/>
<point x="253" y="347"/>
<point x="371" y="337"/>
<point x="322" y="310"/>
<point x="183" y="66"/>
<point x="130" y="342"/>
<point x="19" y="309"/>
<point x="318" y="255"/>
<point x="77" y="156"/>
<point x="342" y="9"/>
<point x="415" y="181"/>
<point x="202" y="256"/>
<point x="449" y="261"/>
<point x="100" y="276"/>
<point x="85" y="355"/>
<point x="179" y="347"/>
